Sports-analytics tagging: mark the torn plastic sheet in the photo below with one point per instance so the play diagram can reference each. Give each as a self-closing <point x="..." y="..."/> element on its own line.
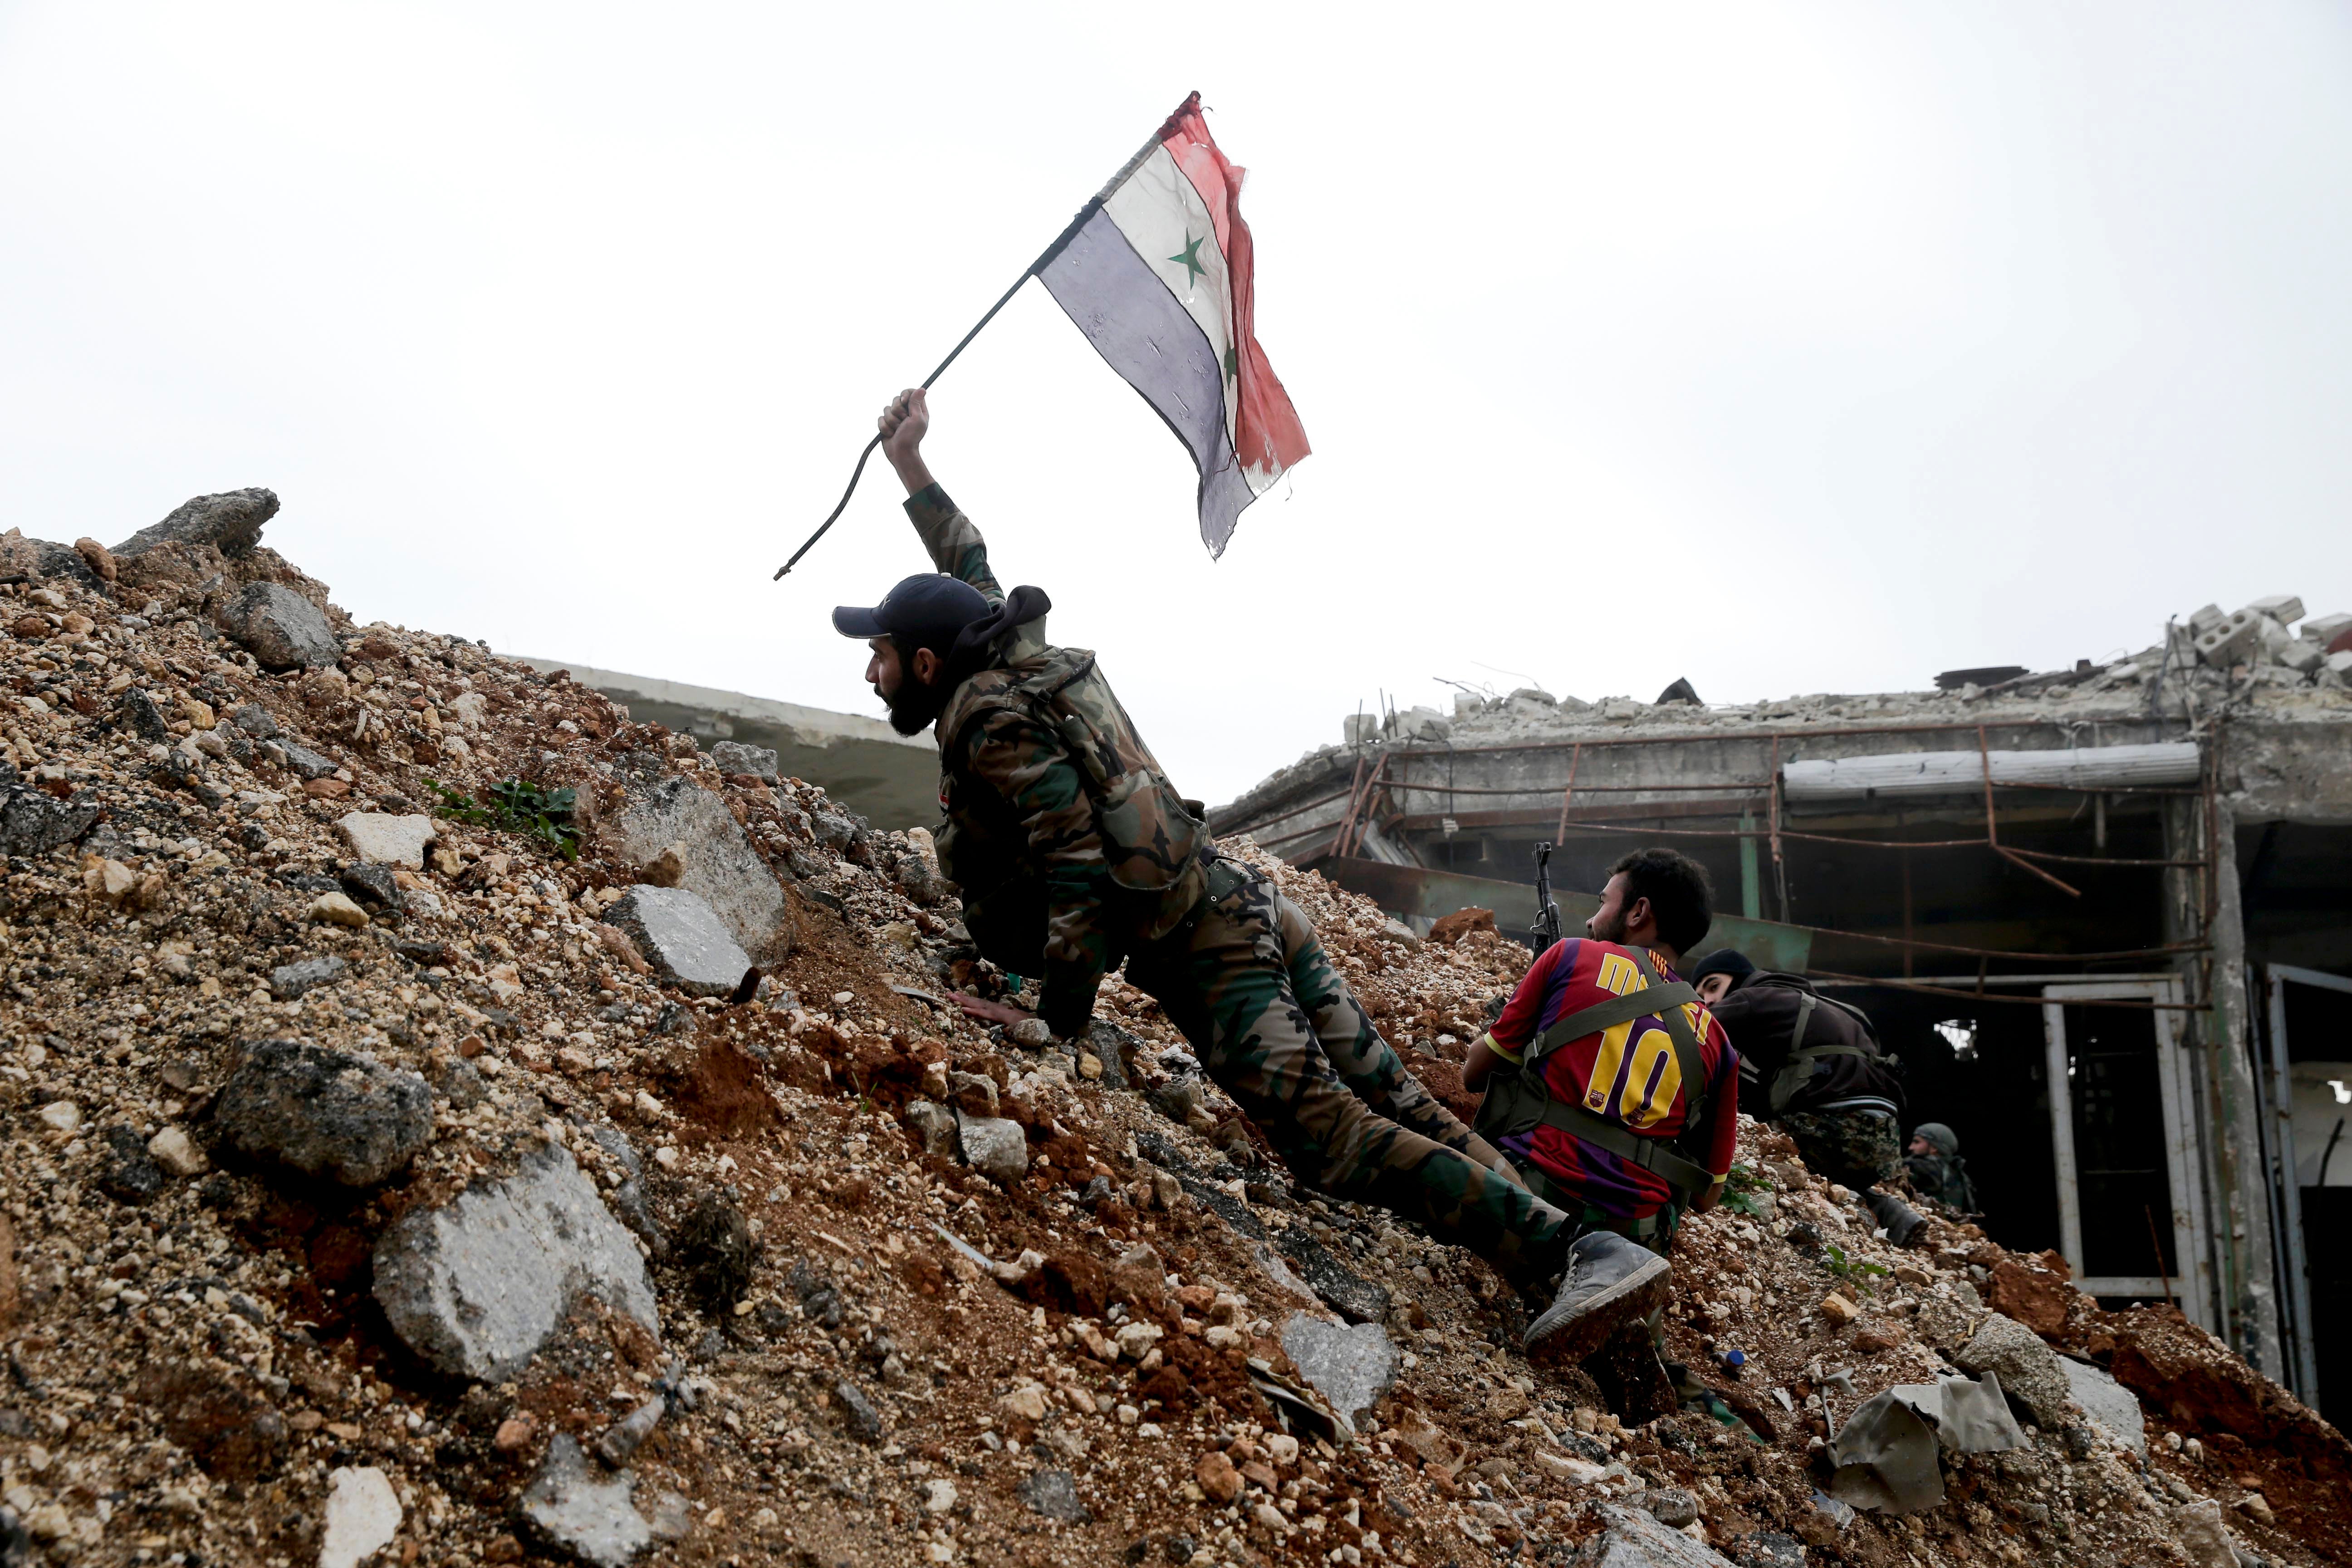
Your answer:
<point x="1886" y="1452"/>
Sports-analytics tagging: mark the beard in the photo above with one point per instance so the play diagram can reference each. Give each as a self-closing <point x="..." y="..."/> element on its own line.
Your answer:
<point x="914" y="706"/>
<point x="1612" y="929"/>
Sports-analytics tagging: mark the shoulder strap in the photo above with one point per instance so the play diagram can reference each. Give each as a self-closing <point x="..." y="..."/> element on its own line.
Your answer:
<point x="1688" y="1177"/>
<point x="1660" y="999"/>
<point x="1667" y="1000"/>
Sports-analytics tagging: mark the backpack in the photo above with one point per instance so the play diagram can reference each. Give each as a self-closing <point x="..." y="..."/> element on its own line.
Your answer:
<point x="1151" y="843"/>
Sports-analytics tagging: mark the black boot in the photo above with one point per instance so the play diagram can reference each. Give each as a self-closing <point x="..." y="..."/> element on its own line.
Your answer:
<point x="1902" y="1222"/>
<point x="1611" y="1282"/>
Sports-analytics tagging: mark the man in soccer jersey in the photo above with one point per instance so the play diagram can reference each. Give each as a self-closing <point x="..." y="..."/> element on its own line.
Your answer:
<point x="1614" y="1094"/>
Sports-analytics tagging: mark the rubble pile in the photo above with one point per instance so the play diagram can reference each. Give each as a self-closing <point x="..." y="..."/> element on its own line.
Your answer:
<point x="2258" y="657"/>
<point x="407" y="1160"/>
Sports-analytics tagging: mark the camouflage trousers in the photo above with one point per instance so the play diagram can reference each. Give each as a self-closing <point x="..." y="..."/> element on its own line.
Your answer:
<point x="1252" y="988"/>
<point x="1857" y="1148"/>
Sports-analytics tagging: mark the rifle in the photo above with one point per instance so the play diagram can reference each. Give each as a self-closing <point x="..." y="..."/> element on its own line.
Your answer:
<point x="1546" y="930"/>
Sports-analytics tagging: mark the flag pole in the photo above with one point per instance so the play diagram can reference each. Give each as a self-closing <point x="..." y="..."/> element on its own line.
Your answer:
<point x="1069" y="232"/>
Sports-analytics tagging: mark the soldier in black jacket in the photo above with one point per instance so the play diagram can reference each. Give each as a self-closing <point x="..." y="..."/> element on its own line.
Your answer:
<point x="1813" y="1066"/>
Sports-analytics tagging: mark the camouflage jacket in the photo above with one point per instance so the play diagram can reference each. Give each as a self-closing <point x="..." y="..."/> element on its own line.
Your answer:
<point x="1945" y="1178"/>
<point x="1069" y="843"/>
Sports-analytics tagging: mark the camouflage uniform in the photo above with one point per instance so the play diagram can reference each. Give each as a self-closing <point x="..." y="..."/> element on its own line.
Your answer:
<point x="1858" y="1150"/>
<point x="1088" y="871"/>
<point x="1250" y="985"/>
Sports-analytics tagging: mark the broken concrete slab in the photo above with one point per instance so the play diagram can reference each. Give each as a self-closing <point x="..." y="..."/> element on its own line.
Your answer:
<point x="230" y="522"/>
<point x="322" y="1113"/>
<point x="734" y="757"/>
<point x="384" y="840"/>
<point x="2028" y="1369"/>
<point x="721" y="867"/>
<point x="995" y="1147"/>
<point x="2108" y="1404"/>
<point x="476" y="1285"/>
<point x="1631" y="1537"/>
<point x="1351" y="1366"/>
<point x="688" y="946"/>
<point x="281" y="628"/>
<point x="567" y="1509"/>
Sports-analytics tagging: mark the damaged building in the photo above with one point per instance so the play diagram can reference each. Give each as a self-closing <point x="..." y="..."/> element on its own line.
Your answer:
<point x="2102" y="915"/>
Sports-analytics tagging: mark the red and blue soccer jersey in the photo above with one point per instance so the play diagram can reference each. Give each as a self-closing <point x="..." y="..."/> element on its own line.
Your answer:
<point x="1628" y="1073"/>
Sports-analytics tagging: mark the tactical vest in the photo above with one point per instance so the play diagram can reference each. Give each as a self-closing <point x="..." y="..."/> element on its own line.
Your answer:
<point x="1151" y="844"/>
<point x="1519" y="1100"/>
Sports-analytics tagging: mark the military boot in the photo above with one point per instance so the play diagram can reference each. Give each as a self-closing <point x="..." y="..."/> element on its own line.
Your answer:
<point x="1902" y="1222"/>
<point x="1611" y="1282"/>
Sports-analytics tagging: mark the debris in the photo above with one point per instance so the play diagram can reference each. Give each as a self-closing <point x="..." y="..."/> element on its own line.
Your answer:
<point x="2110" y="1406"/>
<point x="682" y="938"/>
<point x="734" y="757"/>
<point x="281" y="628"/>
<point x="2028" y="1369"/>
<point x="1054" y="1494"/>
<point x="569" y="1511"/>
<point x="1631" y="1537"/>
<point x="476" y="1285"/>
<point x="1352" y="1367"/>
<point x="322" y="1113"/>
<point x="387" y="840"/>
<point x="362" y="1517"/>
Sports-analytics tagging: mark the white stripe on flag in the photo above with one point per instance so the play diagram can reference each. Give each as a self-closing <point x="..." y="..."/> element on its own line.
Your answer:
<point x="1164" y="218"/>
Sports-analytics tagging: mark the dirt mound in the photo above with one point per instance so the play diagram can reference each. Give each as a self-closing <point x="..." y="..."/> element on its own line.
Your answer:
<point x="868" y="1351"/>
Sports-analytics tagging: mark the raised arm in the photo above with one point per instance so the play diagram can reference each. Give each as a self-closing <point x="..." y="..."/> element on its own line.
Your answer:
<point x="955" y="544"/>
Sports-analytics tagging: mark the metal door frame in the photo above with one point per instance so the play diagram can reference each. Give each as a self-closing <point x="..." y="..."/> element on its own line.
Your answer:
<point x="2302" y="1357"/>
<point x="2193" y="1288"/>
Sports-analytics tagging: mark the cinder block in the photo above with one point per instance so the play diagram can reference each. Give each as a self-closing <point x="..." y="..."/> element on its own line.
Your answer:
<point x="2285" y="608"/>
<point x="2341" y="663"/>
<point x="2204" y="620"/>
<point x="2231" y="639"/>
<point x="2301" y="657"/>
<point x="2326" y="629"/>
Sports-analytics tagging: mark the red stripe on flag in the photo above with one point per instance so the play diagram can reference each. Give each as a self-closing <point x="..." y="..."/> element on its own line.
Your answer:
<point x="1267" y="432"/>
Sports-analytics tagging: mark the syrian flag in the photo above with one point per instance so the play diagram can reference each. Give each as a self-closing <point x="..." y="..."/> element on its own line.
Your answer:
<point x="1158" y="274"/>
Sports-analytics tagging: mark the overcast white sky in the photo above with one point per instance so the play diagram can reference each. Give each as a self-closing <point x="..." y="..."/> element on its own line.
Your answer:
<point x="1789" y="348"/>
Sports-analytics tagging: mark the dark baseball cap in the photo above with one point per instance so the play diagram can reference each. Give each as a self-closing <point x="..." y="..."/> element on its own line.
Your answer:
<point x="928" y="610"/>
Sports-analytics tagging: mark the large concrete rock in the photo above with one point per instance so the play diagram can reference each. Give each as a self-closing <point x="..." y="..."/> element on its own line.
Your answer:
<point x="281" y="628"/>
<point x="2107" y="1403"/>
<point x="382" y="839"/>
<point x="322" y="1113"/>
<point x="1629" y="1538"/>
<point x="476" y="1286"/>
<point x="2031" y="1373"/>
<point x="230" y="522"/>
<point x="994" y="1146"/>
<point x="1351" y="1366"/>
<point x="735" y="757"/>
<point x="567" y="1509"/>
<point x="684" y="938"/>
<point x="721" y="867"/>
